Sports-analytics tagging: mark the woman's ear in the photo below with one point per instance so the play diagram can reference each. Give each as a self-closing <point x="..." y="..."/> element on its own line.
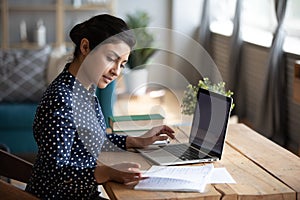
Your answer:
<point x="85" y="46"/>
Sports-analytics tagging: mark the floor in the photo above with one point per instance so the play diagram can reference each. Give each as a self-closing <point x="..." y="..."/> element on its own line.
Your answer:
<point x="161" y="101"/>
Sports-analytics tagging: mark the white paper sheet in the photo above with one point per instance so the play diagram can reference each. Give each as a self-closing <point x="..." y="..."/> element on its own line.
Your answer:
<point x="220" y="175"/>
<point x="176" y="178"/>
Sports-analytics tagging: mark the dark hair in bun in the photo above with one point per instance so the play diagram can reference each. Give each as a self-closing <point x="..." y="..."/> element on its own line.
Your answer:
<point x="101" y="28"/>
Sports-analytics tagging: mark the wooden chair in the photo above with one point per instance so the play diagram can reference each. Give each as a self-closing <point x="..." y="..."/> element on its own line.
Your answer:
<point x="13" y="167"/>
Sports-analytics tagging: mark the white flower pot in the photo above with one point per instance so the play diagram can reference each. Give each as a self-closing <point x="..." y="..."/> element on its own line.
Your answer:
<point x="136" y="81"/>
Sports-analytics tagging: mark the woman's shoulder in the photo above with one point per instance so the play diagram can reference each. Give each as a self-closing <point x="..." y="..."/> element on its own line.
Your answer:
<point x="59" y="91"/>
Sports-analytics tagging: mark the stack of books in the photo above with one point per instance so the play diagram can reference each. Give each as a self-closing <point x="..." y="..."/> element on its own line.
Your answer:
<point x="125" y="123"/>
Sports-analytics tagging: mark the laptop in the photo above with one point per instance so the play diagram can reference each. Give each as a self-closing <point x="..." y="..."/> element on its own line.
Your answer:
<point x="207" y="136"/>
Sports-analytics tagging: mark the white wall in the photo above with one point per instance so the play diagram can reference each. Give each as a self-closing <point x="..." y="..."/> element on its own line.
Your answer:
<point x="160" y="14"/>
<point x="158" y="10"/>
<point x="175" y="23"/>
<point x="168" y="17"/>
<point x="186" y="16"/>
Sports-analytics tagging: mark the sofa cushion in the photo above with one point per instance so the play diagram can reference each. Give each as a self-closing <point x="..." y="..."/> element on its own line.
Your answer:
<point x="16" y="127"/>
<point x="19" y="141"/>
<point x="23" y="74"/>
<point x="17" y="116"/>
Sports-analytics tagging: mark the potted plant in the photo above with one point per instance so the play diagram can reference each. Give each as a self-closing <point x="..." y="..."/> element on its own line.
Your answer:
<point x="189" y="100"/>
<point x="135" y="73"/>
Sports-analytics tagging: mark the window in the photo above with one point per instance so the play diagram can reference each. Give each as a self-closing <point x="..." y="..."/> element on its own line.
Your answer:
<point x="222" y="16"/>
<point x="258" y="21"/>
<point x="292" y="27"/>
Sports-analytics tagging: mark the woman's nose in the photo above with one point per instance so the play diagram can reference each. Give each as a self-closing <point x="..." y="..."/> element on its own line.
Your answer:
<point x="116" y="70"/>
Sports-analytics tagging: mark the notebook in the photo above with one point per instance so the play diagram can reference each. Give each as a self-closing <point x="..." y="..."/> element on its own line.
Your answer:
<point x="207" y="136"/>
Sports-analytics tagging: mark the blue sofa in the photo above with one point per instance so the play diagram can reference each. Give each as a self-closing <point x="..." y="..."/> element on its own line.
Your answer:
<point x="16" y="121"/>
<point x="24" y="78"/>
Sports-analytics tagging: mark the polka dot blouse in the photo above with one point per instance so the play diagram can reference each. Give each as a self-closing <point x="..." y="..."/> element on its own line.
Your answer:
<point x="69" y="129"/>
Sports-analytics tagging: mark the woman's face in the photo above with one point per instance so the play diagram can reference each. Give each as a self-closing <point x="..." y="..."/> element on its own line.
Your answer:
<point x="104" y="64"/>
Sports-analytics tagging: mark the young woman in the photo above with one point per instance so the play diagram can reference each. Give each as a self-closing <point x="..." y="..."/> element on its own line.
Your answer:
<point x="69" y="126"/>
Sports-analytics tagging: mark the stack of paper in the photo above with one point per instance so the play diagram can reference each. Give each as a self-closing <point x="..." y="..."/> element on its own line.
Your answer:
<point x="176" y="178"/>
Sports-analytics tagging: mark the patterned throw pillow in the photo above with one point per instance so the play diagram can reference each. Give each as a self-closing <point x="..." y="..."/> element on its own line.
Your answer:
<point x="23" y="74"/>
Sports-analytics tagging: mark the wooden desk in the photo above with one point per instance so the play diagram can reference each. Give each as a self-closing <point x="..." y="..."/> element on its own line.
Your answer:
<point x="262" y="170"/>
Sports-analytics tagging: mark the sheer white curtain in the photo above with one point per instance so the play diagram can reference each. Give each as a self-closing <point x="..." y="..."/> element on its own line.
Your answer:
<point x="204" y="32"/>
<point x="235" y="66"/>
<point x="272" y="120"/>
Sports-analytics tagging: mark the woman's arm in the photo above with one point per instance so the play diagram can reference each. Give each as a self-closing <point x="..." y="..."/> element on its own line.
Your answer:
<point x="127" y="173"/>
<point x="155" y="134"/>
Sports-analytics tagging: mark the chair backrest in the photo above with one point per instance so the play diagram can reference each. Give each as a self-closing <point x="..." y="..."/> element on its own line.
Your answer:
<point x="10" y="192"/>
<point x="13" y="167"/>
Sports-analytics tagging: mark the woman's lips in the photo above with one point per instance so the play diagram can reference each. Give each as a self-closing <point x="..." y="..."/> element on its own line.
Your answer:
<point x="107" y="79"/>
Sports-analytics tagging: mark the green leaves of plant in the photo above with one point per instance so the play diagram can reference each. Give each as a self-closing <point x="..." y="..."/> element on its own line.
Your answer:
<point x="144" y="39"/>
<point x="189" y="99"/>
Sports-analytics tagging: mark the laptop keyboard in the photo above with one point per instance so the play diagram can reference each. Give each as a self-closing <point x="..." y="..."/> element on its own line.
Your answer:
<point x="184" y="152"/>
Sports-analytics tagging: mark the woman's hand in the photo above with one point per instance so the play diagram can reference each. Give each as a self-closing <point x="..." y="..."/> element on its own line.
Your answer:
<point x="127" y="173"/>
<point x="158" y="133"/>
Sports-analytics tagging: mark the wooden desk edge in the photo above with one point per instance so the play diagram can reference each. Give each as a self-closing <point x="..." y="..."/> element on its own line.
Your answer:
<point x="109" y="191"/>
<point x="263" y="155"/>
<point x="233" y="143"/>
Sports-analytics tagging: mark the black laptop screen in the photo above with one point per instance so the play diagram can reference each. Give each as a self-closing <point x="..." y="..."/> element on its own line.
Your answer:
<point x="210" y="121"/>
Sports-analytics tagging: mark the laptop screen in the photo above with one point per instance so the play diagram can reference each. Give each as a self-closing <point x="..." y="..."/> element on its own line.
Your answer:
<point x="210" y="121"/>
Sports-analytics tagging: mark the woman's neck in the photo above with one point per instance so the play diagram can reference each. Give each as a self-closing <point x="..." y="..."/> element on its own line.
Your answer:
<point x="78" y="72"/>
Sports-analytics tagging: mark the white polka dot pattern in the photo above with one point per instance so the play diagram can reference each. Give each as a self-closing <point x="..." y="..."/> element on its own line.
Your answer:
<point x="69" y="129"/>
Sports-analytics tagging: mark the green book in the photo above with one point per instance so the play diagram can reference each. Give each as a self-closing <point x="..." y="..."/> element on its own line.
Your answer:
<point x="135" y="122"/>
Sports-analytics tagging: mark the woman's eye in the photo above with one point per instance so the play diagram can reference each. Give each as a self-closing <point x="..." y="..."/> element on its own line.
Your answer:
<point x="110" y="59"/>
<point x="123" y="65"/>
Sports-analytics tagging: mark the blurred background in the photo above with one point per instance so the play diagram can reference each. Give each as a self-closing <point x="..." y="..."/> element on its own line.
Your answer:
<point x="253" y="44"/>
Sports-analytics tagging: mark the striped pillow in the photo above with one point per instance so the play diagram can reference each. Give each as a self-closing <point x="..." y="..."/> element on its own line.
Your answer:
<point x="23" y="74"/>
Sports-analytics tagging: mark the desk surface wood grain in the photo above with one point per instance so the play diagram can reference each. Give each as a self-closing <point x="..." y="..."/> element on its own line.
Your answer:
<point x="262" y="170"/>
<point x="272" y="158"/>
